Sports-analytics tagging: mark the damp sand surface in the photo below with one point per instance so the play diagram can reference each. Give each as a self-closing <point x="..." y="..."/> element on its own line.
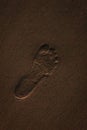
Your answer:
<point x="59" y="100"/>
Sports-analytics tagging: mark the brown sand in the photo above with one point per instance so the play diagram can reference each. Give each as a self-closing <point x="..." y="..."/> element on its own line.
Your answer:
<point x="60" y="101"/>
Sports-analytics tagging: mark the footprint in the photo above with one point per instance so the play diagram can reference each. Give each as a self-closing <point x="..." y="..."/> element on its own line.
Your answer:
<point x="44" y="62"/>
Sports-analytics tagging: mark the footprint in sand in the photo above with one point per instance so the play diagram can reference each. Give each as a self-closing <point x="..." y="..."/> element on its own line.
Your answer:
<point x="44" y="62"/>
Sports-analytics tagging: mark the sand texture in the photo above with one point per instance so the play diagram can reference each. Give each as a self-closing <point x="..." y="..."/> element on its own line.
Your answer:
<point x="43" y="65"/>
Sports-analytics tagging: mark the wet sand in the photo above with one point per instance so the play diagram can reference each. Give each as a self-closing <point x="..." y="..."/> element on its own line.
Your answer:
<point x="59" y="101"/>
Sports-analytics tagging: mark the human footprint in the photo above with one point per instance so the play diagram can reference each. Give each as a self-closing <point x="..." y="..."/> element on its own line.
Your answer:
<point x="44" y="62"/>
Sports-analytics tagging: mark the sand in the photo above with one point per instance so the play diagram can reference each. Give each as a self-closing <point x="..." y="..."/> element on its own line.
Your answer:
<point x="59" y="101"/>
